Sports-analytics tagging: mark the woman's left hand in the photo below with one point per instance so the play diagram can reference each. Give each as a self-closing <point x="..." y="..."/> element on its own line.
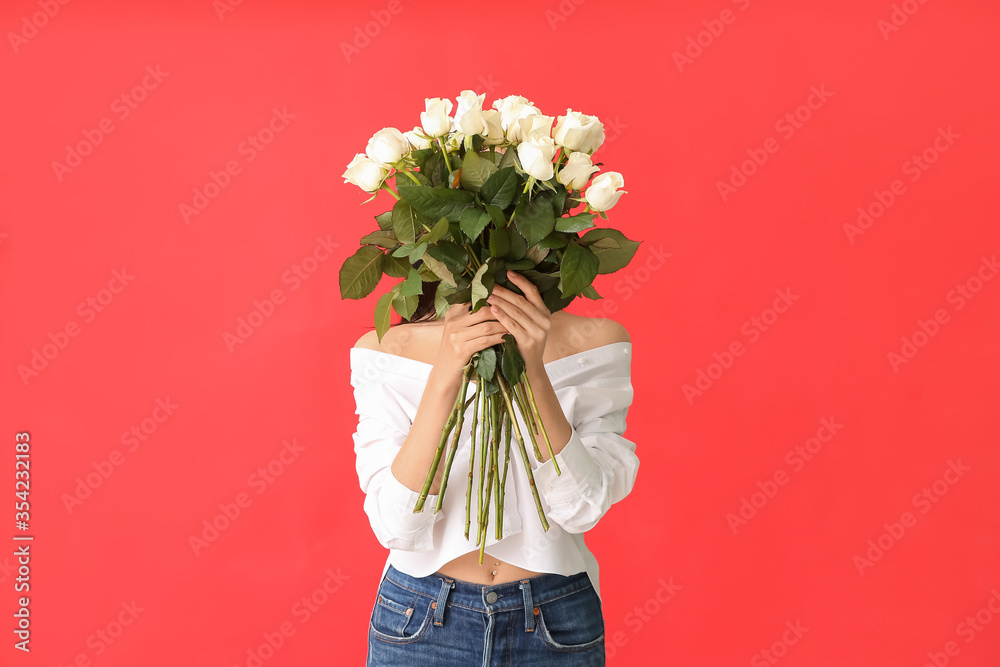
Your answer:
<point x="526" y="317"/>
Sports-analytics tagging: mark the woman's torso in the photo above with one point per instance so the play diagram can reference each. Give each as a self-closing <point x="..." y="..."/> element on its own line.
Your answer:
<point x="420" y="341"/>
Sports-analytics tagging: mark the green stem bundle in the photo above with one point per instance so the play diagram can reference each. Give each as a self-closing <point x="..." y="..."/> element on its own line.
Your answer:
<point x="493" y="418"/>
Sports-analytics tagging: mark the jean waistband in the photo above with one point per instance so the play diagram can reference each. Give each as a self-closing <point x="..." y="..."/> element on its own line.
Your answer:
<point x="522" y="593"/>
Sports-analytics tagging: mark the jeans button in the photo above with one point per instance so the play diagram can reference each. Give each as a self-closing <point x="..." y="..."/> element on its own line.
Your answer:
<point x="491" y="597"/>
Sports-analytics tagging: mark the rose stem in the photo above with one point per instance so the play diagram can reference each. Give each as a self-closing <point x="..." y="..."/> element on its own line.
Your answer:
<point x="534" y="408"/>
<point x="451" y="454"/>
<point x="524" y="454"/>
<point x="496" y="470"/>
<point x="482" y="468"/>
<point x="527" y="419"/>
<point x="444" y="438"/>
<point x="472" y="461"/>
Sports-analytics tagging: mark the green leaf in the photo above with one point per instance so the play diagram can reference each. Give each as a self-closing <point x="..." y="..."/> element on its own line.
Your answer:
<point x="452" y="255"/>
<point x="534" y="218"/>
<point x="475" y="171"/>
<point x="482" y="285"/>
<point x="553" y="240"/>
<point x="438" y="232"/>
<point x="434" y="169"/>
<point x="437" y="202"/>
<point x="382" y="238"/>
<point x="405" y="305"/>
<point x="578" y="268"/>
<point x="382" y="315"/>
<point x="521" y="265"/>
<point x="420" y="156"/>
<point x="508" y="157"/>
<point x="439" y="268"/>
<point x="518" y="246"/>
<point x="405" y="221"/>
<point x="499" y="242"/>
<point x="384" y="220"/>
<point x="487" y="363"/>
<point x="404" y="251"/>
<point x="591" y="293"/>
<point x="412" y="285"/>
<point x="418" y="251"/>
<point x="613" y="249"/>
<point x="500" y="188"/>
<point x="403" y="179"/>
<point x="361" y="272"/>
<point x="474" y="221"/>
<point x="396" y="267"/>
<point x="496" y="214"/>
<point x="511" y="363"/>
<point x="575" y="223"/>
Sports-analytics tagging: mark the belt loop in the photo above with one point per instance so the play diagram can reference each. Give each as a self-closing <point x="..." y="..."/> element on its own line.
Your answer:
<point x="439" y="604"/>
<point x="529" y="608"/>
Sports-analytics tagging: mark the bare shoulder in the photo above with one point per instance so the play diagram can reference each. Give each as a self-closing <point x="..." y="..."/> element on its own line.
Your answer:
<point x="595" y="331"/>
<point x="369" y="341"/>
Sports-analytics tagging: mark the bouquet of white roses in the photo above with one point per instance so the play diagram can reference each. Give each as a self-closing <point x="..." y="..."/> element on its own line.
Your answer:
<point x="479" y="193"/>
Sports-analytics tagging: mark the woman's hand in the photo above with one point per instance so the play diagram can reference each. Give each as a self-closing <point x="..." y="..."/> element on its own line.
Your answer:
<point x="466" y="333"/>
<point x="526" y="317"/>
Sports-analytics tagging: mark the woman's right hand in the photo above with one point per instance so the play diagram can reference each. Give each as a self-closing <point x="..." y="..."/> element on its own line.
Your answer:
<point x="466" y="333"/>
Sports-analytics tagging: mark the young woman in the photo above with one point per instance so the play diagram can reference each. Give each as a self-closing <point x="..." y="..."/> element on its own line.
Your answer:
<point x="535" y="598"/>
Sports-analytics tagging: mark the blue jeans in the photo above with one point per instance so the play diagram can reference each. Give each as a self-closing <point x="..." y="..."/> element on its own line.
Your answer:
<point x="436" y="621"/>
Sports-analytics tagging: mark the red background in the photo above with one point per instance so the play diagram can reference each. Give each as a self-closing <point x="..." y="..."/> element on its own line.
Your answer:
<point x="674" y="133"/>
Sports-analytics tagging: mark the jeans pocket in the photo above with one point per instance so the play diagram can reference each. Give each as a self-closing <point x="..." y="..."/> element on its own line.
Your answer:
<point x="573" y="622"/>
<point x="400" y="616"/>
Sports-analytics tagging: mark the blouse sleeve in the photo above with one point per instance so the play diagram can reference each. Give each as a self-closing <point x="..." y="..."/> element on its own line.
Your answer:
<point x="382" y="427"/>
<point x="598" y="464"/>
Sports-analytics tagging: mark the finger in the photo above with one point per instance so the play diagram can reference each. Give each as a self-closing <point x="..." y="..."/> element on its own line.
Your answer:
<point x="508" y="320"/>
<point x="520" y="309"/>
<point x="530" y="291"/>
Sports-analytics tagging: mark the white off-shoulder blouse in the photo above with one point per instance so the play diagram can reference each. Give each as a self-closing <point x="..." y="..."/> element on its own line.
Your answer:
<point x="598" y="466"/>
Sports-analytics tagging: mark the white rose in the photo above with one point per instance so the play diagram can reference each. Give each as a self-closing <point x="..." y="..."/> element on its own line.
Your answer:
<point x="579" y="132"/>
<point x="469" y="118"/>
<point x="603" y="192"/>
<point x="512" y="109"/>
<point x="494" y="130"/>
<point x="577" y="170"/>
<point x="365" y="173"/>
<point x="417" y="138"/>
<point x="435" y="119"/>
<point x="535" y="126"/>
<point x="388" y="146"/>
<point x="536" y="156"/>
